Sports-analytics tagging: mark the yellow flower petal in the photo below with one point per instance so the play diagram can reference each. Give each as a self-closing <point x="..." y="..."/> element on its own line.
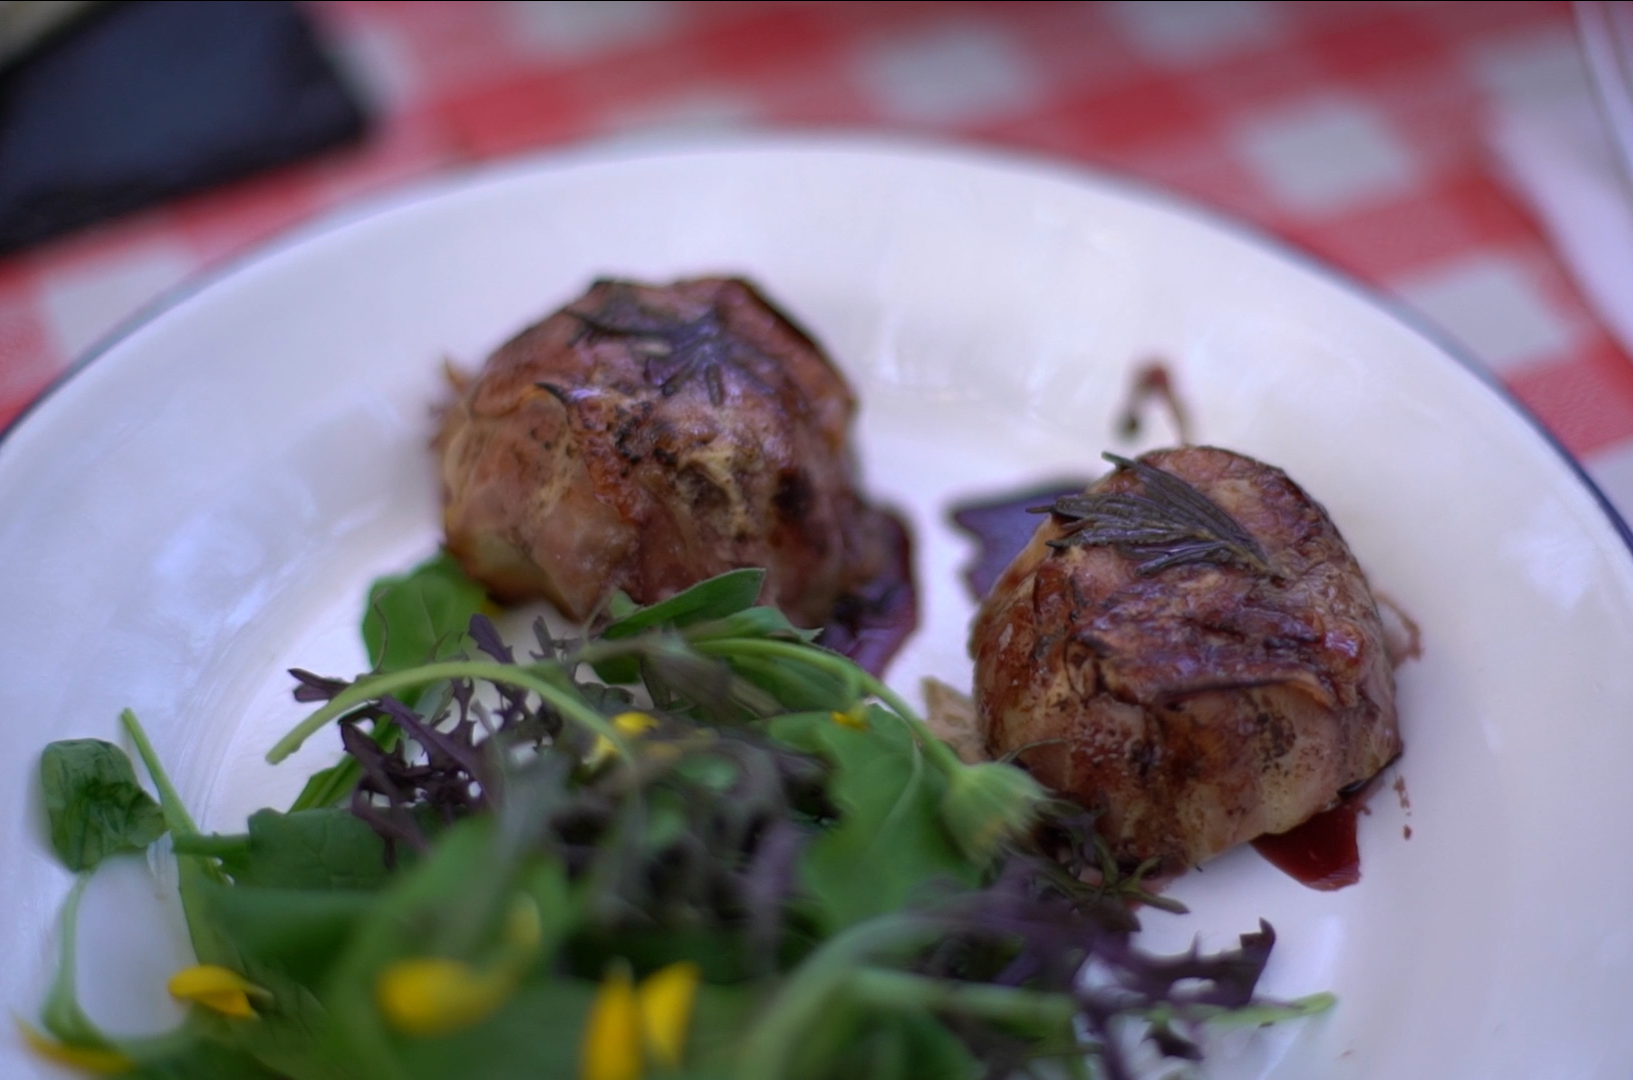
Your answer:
<point x="665" y="999"/>
<point x="83" y="1058"/>
<point x="601" y="751"/>
<point x="634" y="723"/>
<point x="215" y="987"/>
<point x="612" y="1032"/>
<point x="854" y="717"/>
<point x="437" y="996"/>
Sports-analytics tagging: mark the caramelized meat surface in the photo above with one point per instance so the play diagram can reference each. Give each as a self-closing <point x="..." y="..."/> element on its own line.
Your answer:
<point x="644" y="438"/>
<point x="1195" y="702"/>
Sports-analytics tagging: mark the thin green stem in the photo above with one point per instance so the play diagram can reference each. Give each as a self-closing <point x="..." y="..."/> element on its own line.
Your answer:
<point x="62" y="1015"/>
<point x="1258" y="1013"/>
<point x="176" y="817"/>
<point x="193" y="872"/>
<point x="886" y="989"/>
<point x="773" y="1041"/>
<point x="373" y="687"/>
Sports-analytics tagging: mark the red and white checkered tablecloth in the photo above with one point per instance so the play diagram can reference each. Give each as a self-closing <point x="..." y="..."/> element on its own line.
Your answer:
<point x="1354" y="130"/>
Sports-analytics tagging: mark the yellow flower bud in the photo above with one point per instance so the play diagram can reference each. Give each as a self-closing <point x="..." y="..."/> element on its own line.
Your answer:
<point x="216" y="987"/>
<point x="854" y="717"/>
<point x="632" y="724"/>
<point x="665" y="1001"/>
<point x="629" y="1023"/>
<point x="987" y="804"/>
<point x="437" y="996"/>
<point x="84" y="1058"/>
<point x="612" y="1033"/>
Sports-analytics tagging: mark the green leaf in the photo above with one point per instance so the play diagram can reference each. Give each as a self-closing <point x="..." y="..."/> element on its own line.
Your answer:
<point x="430" y="910"/>
<point x="200" y="1059"/>
<point x="94" y="804"/>
<point x="905" y="1045"/>
<point x="327" y="787"/>
<point x="723" y="956"/>
<point x="305" y="849"/>
<point x="891" y="842"/>
<point x="619" y="670"/>
<point x="411" y="619"/>
<point x="754" y="622"/>
<point x="537" y="1033"/>
<point x="720" y="596"/>
<point x="297" y="931"/>
<point x="796" y="686"/>
<point x="720" y="1019"/>
<point x="292" y="1034"/>
<point x="420" y="616"/>
<point x="545" y="882"/>
<point x="284" y="942"/>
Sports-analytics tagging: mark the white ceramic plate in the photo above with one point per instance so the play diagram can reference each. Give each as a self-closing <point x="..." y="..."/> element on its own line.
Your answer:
<point x="203" y="505"/>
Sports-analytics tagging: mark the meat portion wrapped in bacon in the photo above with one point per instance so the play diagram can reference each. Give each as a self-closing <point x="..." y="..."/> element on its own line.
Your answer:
<point x="1189" y="648"/>
<point x="644" y="438"/>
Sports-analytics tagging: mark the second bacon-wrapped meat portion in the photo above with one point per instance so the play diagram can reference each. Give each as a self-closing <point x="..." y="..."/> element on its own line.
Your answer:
<point x="644" y="438"/>
<point x="1190" y="649"/>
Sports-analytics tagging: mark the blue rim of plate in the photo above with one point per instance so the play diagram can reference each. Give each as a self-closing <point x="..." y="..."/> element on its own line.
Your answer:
<point x="603" y="151"/>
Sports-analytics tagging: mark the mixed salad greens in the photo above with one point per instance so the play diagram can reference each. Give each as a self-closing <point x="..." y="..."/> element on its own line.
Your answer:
<point x="692" y="844"/>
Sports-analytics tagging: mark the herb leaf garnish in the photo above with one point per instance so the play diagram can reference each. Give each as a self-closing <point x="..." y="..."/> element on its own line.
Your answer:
<point x="1170" y="524"/>
<point x="420" y="616"/>
<point x="677" y="350"/>
<point x="320" y="849"/>
<point x="93" y="803"/>
<point x="411" y="619"/>
<point x="821" y="884"/>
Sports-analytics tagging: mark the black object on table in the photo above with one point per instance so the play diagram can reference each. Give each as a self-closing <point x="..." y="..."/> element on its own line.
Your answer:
<point x="142" y="101"/>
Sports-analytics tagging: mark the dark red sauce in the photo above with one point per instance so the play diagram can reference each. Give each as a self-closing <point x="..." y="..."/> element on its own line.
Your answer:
<point x="1322" y="852"/>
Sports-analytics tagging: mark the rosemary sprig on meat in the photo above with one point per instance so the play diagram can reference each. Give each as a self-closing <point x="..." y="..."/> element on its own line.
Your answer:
<point x="678" y="351"/>
<point x="1169" y="523"/>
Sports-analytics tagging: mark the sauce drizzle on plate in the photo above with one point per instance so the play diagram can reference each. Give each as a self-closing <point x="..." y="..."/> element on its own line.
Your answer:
<point x="1321" y="853"/>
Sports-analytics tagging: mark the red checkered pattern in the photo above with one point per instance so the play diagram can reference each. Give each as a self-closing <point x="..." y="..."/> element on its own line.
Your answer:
<point x="1351" y="129"/>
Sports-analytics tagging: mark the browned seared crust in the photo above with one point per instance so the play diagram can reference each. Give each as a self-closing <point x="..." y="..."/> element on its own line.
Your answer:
<point x="585" y="458"/>
<point x="1204" y="704"/>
